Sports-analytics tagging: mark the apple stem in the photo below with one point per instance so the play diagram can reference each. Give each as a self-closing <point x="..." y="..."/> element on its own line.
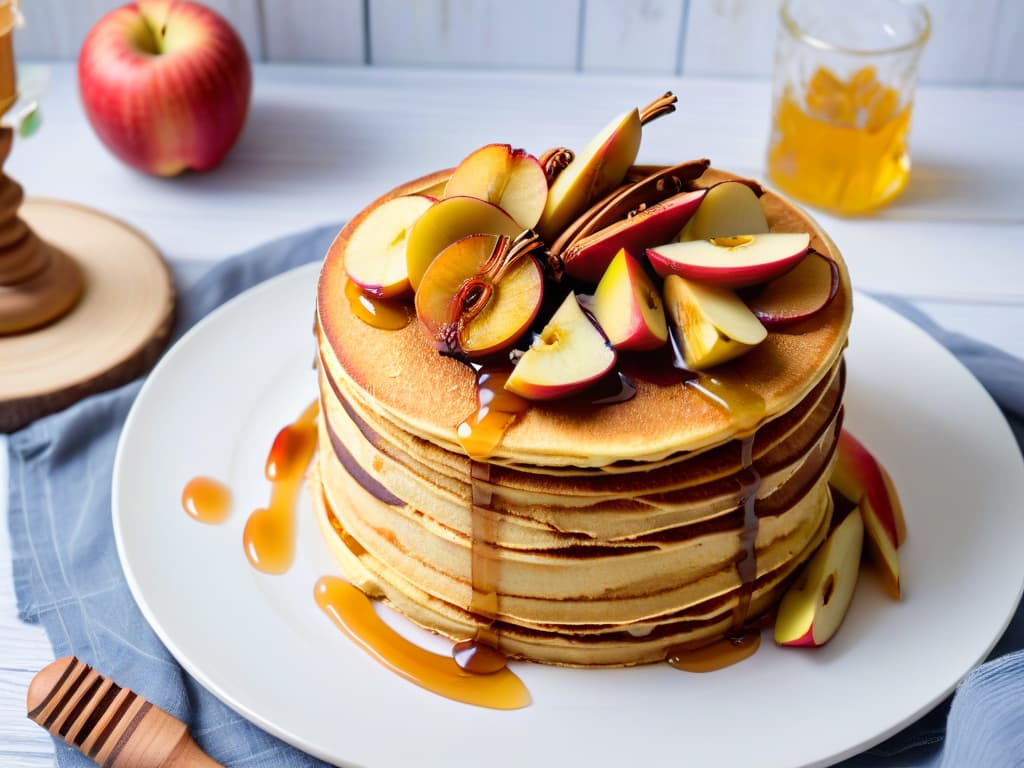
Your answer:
<point x="662" y="105"/>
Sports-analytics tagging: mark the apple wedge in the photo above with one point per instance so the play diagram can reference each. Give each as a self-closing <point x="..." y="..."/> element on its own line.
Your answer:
<point x="859" y="477"/>
<point x="801" y="293"/>
<point x="598" y="168"/>
<point x="512" y="179"/>
<point x="711" y="324"/>
<point x="449" y="220"/>
<point x="881" y="549"/>
<point x="729" y="208"/>
<point x="567" y="356"/>
<point x="375" y="254"/>
<point x="816" y="604"/>
<point x="628" y="307"/>
<point x="480" y="294"/>
<point x="858" y="474"/>
<point x="735" y="261"/>
<point x="588" y="258"/>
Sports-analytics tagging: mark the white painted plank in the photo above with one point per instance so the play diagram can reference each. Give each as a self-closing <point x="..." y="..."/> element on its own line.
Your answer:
<point x="1007" y="64"/>
<point x="737" y="38"/>
<point x="244" y="16"/>
<point x="55" y="29"/>
<point x="314" y="31"/>
<point x="489" y="34"/>
<point x="962" y="41"/>
<point x="729" y="38"/>
<point x="626" y="36"/>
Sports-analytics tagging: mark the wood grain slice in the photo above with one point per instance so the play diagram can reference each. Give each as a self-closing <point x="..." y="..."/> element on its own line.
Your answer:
<point x="113" y="334"/>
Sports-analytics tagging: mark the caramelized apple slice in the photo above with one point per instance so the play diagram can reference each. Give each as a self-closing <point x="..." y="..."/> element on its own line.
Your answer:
<point x="599" y="168"/>
<point x="627" y="306"/>
<point x="480" y="294"/>
<point x="447" y="221"/>
<point x="588" y="258"/>
<point x="730" y="208"/>
<point x="801" y="293"/>
<point x="731" y="262"/>
<point x="375" y="252"/>
<point x="567" y="356"/>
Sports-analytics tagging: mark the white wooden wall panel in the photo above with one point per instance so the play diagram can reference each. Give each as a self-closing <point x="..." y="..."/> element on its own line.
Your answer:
<point x="314" y="30"/>
<point x="630" y="36"/>
<point x="961" y="46"/>
<point x="1007" y="65"/>
<point x="55" y="29"/>
<point x="526" y="34"/>
<point x="979" y="42"/>
<point x="244" y="16"/>
<point x="728" y="38"/>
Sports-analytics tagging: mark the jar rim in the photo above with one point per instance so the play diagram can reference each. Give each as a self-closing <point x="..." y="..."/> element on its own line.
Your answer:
<point x="924" y="20"/>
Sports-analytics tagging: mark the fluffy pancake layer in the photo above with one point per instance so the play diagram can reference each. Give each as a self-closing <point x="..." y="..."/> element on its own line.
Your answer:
<point x="593" y="536"/>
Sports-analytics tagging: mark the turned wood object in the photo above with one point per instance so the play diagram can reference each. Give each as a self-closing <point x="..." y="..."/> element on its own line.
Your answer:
<point x="38" y="281"/>
<point x="109" y="724"/>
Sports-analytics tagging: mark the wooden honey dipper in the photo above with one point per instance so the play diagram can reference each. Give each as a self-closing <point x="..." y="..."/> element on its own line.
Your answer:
<point x="109" y="724"/>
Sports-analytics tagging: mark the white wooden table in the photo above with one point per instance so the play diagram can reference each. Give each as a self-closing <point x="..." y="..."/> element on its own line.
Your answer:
<point x="321" y="142"/>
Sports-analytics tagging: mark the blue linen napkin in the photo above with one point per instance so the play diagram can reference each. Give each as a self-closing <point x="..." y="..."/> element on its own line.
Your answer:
<point x="66" y="571"/>
<point x="68" y="578"/>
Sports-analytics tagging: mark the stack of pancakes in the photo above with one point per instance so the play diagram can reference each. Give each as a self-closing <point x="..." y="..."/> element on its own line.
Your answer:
<point x="593" y="535"/>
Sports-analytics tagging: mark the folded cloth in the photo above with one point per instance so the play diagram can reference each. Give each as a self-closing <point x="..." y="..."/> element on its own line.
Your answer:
<point x="67" y="575"/>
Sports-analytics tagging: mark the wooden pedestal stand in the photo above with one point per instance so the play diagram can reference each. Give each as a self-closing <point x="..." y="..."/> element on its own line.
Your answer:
<point x="86" y="303"/>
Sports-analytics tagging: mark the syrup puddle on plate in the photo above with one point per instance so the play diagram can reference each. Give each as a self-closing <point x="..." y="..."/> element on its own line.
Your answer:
<point x="475" y="673"/>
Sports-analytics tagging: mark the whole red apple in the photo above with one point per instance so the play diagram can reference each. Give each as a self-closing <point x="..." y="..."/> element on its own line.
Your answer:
<point x="165" y="84"/>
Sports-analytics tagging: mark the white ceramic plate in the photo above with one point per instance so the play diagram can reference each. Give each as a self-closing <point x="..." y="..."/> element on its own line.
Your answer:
<point x="258" y="642"/>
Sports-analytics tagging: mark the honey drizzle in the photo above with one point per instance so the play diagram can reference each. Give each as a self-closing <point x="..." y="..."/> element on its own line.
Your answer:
<point x="269" y="535"/>
<point x="722" y="653"/>
<point x="352" y="612"/>
<point x="207" y="500"/>
<point x="379" y="313"/>
<point x="497" y="409"/>
<point x="484" y="566"/>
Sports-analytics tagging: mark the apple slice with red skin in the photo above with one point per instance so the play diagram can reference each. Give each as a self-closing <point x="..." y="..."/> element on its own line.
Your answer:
<point x="598" y="168"/>
<point x="628" y="307"/>
<point x="858" y="474"/>
<point x="512" y="179"/>
<point x="735" y="261"/>
<point x="449" y="220"/>
<point x="800" y="293"/>
<point x="375" y="254"/>
<point x="588" y="258"/>
<point x="729" y="208"/>
<point x="816" y="603"/>
<point x="480" y="294"/>
<point x="567" y="356"/>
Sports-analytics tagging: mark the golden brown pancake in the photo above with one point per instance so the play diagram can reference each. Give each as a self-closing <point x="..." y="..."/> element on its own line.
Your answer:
<point x="593" y="535"/>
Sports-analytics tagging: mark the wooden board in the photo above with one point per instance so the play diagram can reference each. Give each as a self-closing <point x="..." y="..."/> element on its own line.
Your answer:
<point x="115" y="332"/>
